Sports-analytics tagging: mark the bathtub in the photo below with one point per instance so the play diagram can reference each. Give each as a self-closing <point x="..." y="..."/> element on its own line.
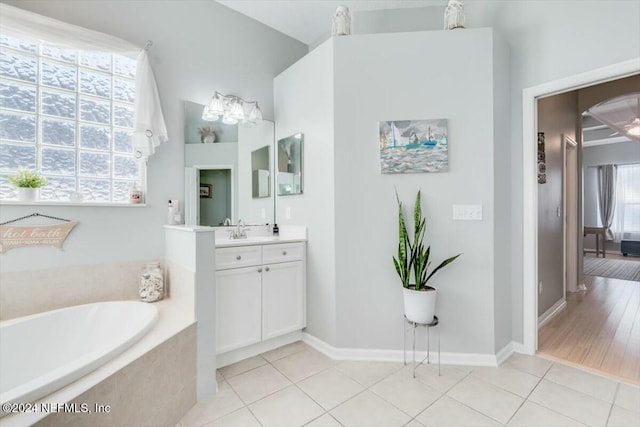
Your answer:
<point x="44" y="352"/>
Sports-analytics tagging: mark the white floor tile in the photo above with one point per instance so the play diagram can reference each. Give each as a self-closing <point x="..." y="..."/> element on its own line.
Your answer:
<point x="324" y="421"/>
<point x="224" y="402"/>
<point x="330" y="388"/>
<point x="406" y="393"/>
<point x="534" y="415"/>
<point x="284" y="351"/>
<point x="240" y="418"/>
<point x="368" y="373"/>
<point x="258" y="383"/>
<point x="414" y="423"/>
<point x="507" y="378"/>
<point x="533" y="365"/>
<point x="449" y="412"/>
<point x="288" y="407"/>
<point x="303" y="364"/>
<point x="367" y="409"/>
<point x="486" y="398"/>
<point x="428" y="374"/>
<point x="584" y="382"/>
<point x="621" y="417"/>
<point x="628" y="397"/>
<point x="573" y="404"/>
<point x="242" y="367"/>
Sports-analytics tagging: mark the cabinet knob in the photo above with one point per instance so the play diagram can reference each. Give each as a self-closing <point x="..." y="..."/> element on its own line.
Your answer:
<point x="284" y="252"/>
<point x="238" y="257"/>
<point x="259" y="270"/>
<point x="266" y="268"/>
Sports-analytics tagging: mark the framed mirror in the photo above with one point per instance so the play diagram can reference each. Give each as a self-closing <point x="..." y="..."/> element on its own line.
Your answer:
<point x="219" y="162"/>
<point x="289" y="164"/>
<point x="261" y="173"/>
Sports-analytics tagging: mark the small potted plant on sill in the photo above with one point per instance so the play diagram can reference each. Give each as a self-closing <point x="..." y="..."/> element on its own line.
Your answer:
<point x="413" y="257"/>
<point x="28" y="183"/>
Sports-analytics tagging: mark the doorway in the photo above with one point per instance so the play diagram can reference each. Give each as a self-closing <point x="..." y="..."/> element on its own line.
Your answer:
<point x="209" y="195"/>
<point x="530" y="197"/>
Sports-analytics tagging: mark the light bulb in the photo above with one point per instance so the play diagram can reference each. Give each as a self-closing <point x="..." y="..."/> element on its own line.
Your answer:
<point x="216" y="106"/>
<point x="237" y="112"/>
<point x="208" y="116"/>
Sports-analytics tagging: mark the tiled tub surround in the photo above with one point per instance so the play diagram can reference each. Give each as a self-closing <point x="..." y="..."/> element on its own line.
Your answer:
<point x="141" y="384"/>
<point x="297" y="386"/>
<point x="154" y="390"/>
<point x="35" y="291"/>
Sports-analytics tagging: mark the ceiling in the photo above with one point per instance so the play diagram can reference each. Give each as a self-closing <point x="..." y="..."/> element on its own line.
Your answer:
<point x="595" y="132"/>
<point x="308" y="20"/>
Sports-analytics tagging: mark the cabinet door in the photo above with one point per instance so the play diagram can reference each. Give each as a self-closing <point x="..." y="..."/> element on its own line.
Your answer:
<point x="283" y="299"/>
<point x="238" y="308"/>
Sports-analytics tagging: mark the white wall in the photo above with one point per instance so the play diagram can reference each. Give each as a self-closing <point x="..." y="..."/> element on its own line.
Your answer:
<point x="199" y="47"/>
<point x="421" y="75"/>
<point x="304" y="102"/>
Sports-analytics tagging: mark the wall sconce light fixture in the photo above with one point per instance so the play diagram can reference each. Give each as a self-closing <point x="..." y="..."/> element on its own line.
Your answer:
<point x="231" y="110"/>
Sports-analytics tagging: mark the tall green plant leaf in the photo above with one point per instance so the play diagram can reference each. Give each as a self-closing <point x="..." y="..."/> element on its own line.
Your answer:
<point x="444" y="263"/>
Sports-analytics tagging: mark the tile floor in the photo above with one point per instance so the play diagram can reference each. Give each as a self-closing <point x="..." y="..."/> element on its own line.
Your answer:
<point x="297" y="386"/>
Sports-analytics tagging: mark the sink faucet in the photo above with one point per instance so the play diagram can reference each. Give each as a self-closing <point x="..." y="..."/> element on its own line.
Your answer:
<point x="227" y="222"/>
<point x="240" y="232"/>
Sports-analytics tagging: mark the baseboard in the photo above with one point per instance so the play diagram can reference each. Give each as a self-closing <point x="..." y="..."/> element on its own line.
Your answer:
<point x="508" y="350"/>
<point x="551" y="312"/>
<point x="234" y="356"/>
<point x="364" y="354"/>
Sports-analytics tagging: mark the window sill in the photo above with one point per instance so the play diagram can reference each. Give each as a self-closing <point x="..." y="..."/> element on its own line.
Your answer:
<point x="65" y="204"/>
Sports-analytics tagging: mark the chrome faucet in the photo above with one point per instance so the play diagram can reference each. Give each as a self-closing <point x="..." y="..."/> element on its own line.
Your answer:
<point x="227" y="222"/>
<point x="240" y="232"/>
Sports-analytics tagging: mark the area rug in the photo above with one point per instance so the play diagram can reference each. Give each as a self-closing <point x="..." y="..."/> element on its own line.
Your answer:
<point x="613" y="268"/>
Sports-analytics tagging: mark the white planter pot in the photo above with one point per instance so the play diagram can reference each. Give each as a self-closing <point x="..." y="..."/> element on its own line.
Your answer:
<point x="26" y="194"/>
<point x="419" y="306"/>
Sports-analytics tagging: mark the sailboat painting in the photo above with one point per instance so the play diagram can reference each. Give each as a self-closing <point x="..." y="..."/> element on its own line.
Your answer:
<point x="414" y="146"/>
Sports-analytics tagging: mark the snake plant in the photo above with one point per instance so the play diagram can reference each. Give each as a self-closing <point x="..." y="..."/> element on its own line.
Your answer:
<point x="412" y="256"/>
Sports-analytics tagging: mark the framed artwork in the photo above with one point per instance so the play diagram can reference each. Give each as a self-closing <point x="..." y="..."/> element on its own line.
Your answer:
<point x="414" y="146"/>
<point x="205" y="191"/>
<point x="542" y="163"/>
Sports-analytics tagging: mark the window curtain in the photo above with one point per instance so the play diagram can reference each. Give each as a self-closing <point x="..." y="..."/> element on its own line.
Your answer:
<point x="606" y="196"/>
<point x="626" y="219"/>
<point x="149" y="127"/>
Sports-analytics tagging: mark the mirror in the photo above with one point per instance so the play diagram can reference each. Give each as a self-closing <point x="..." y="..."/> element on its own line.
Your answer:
<point x="289" y="177"/>
<point x="220" y="161"/>
<point x="261" y="173"/>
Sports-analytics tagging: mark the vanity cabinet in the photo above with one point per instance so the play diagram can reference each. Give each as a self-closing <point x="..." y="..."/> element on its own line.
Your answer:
<point x="260" y="293"/>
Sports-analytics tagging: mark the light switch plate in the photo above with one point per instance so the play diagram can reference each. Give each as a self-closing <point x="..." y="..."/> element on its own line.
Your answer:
<point x="467" y="212"/>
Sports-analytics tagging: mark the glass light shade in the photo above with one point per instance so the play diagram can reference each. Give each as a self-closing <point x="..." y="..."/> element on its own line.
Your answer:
<point x="208" y="116"/>
<point x="621" y="114"/>
<point x="236" y="110"/>
<point x="216" y="106"/>
<point x="228" y="120"/>
<point x="255" y="115"/>
<point x="634" y="128"/>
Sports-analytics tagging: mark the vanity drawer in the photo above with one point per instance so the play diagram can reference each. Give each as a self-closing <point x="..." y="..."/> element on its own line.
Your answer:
<point x="239" y="256"/>
<point x="282" y="252"/>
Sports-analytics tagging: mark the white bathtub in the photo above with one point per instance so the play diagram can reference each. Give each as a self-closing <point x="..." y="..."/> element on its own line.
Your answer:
<point x="44" y="352"/>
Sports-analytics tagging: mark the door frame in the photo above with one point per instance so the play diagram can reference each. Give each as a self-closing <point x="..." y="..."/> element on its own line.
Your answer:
<point x="570" y="213"/>
<point x="530" y="184"/>
<point x="196" y="191"/>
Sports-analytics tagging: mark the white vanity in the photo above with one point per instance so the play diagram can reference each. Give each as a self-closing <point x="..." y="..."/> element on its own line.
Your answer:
<point x="260" y="290"/>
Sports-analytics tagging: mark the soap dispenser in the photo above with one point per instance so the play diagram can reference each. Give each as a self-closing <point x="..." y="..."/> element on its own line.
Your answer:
<point x="276" y="230"/>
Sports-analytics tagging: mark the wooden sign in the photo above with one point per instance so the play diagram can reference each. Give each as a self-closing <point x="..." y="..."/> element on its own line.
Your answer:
<point x="15" y="236"/>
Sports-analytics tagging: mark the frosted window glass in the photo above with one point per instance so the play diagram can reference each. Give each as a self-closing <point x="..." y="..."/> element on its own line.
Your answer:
<point x="122" y="142"/>
<point x="123" y="115"/>
<point x="15" y="156"/>
<point x="94" y="137"/>
<point x="18" y="44"/>
<point x="94" y="164"/>
<point x="124" y="90"/>
<point x="58" y="161"/>
<point x="124" y="66"/>
<point x="93" y="110"/>
<point x="7" y="191"/>
<point x="95" y="84"/>
<point x="58" y="132"/>
<point x="18" y="66"/>
<point x="58" y="75"/>
<point x="126" y="167"/>
<point x="17" y="96"/>
<point x="96" y="60"/>
<point x="58" y="188"/>
<point x="95" y="190"/>
<point x="17" y="127"/>
<point x="58" y="104"/>
<point x="67" y="55"/>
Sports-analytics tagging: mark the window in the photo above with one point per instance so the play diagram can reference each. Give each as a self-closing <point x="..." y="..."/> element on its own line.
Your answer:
<point x="68" y="115"/>
<point x="626" y="216"/>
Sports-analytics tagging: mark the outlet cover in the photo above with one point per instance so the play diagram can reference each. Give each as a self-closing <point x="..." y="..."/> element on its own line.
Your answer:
<point x="467" y="212"/>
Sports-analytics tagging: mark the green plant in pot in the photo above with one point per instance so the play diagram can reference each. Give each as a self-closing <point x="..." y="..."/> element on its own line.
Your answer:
<point x="28" y="183"/>
<point x="413" y="260"/>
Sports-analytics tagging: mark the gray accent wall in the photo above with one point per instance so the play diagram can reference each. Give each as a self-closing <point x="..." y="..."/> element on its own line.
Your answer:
<point x="557" y="115"/>
<point x="198" y="47"/>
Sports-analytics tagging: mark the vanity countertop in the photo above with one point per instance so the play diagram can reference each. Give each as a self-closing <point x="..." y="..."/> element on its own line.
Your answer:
<point x="225" y="242"/>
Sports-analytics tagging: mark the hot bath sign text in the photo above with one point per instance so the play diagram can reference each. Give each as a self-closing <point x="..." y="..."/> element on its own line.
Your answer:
<point x="34" y="235"/>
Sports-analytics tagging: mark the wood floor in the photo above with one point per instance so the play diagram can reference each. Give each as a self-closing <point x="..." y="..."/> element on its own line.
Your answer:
<point x="599" y="328"/>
